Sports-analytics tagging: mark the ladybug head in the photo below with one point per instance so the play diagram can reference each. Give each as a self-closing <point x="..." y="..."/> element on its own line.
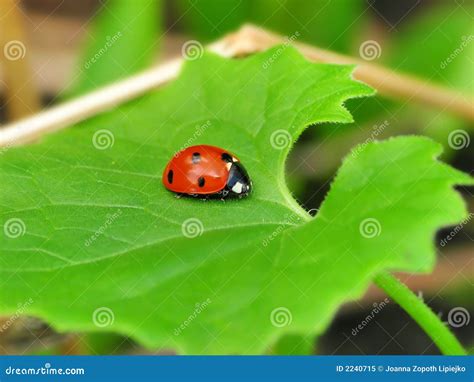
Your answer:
<point x="238" y="182"/>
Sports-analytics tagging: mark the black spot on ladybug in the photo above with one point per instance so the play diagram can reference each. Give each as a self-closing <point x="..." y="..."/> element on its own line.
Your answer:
<point x="170" y="176"/>
<point x="196" y="158"/>
<point x="226" y="158"/>
<point x="201" y="182"/>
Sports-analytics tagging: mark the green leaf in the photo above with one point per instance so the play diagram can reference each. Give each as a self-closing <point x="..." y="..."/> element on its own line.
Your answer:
<point x="100" y="245"/>
<point x="124" y="39"/>
<point x="421" y="46"/>
<point x="210" y="19"/>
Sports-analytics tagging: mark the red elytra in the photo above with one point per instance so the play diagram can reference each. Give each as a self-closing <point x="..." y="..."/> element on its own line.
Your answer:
<point x="205" y="170"/>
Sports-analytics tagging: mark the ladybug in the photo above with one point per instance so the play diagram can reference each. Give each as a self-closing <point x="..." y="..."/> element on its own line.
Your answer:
<point x="206" y="171"/>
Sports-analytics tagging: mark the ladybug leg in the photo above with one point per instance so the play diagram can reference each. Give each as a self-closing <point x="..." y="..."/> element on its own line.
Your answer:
<point x="178" y="196"/>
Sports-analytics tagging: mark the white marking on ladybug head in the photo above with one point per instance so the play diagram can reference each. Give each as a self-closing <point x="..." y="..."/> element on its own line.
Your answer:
<point x="234" y="159"/>
<point x="237" y="188"/>
<point x="228" y="165"/>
